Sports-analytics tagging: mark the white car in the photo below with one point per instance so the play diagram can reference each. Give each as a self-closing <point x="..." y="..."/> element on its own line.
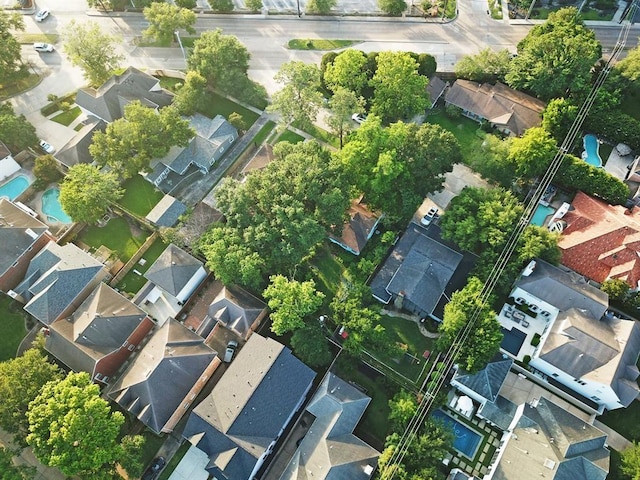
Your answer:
<point x="358" y="117"/>
<point x="46" y="147"/>
<point x="43" y="47"/>
<point x="230" y="351"/>
<point x="41" y="15"/>
<point x="431" y="215"/>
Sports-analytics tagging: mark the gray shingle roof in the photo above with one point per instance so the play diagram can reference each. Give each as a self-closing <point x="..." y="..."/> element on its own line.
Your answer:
<point x="173" y="269"/>
<point x="76" y="150"/>
<point x="18" y="231"/>
<point x="329" y="450"/>
<point x="236" y="309"/>
<point x="166" y="212"/>
<point x="248" y="407"/>
<point x="56" y="277"/>
<point x="161" y="375"/>
<point x="108" y="101"/>
<point x="488" y="381"/>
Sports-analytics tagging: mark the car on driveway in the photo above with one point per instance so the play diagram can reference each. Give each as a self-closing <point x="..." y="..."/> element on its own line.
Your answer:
<point x="153" y="470"/>
<point x="41" y="15"/>
<point x="46" y="147"/>
<point x="43" y="47"/>
<point x="431" y="215"/>
<point x="359" y="117"/>
<point x="230" y="351"/>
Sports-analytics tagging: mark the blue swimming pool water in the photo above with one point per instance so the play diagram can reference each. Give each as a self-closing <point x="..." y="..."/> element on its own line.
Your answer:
<point x="591" y="148"/>
<point x="466" y="441"/>
<point x="51" y="207"/>
<point x="541" y="213"/>
<point x="14" y="187"/>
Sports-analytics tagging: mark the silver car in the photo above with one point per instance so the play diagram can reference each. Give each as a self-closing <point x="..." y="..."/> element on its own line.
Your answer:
<point x="41" y="15"/>
<point x="43" y="47"/>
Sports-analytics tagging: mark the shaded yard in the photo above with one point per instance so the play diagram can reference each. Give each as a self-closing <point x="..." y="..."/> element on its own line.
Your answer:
<point x="139" y="196"/>
<point x="625" y="421"/>
<point x="175" y="460"/>
<point x="152" y="444"/>
<point x="132" y="281"/>
<point x="464" y="129"/>
<point x="13" y="327"/>
<point x="117" y="235"/>
<point x="289" y="136"/>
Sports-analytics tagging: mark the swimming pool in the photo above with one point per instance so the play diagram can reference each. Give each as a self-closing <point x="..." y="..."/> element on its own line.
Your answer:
<point x="14" y="187"/>
<point x="51" y="207"/>
<point x="540" y="215"/>
<point x="466" y="441"/>
<point x="591" y="147"/>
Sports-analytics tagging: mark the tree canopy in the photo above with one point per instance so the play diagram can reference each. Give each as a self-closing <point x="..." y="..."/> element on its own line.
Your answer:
<point x="86" y="192"/>
<point x="629" y="66"/>
<point x="299" y="100"/>
<point x="94" y="51"/>
<point x="631" y="461"/>
<point x="191" y="94"/>
<point x="392" y="7"/>
<point x="130" y="143"/>
<point x="276" y="216"/>
<point x="396" y="166"/>
<point x="343" y="104"/>
<point x="399" y="89"/>
<point x="555" y="59"/>
<point x="558" y="116"/>
<point x="72" y="428"/>
<point x="487" y="65"/>
<point x="532" y="153"/>
<point x="15" y="130"/>
<point x="165" y="19"/>
<point x="291" y="302"/>
<point x="10" y="471"/>
<point x="11" y="53"/>
<point x="310" y="344"/>
<point x="347" y="71"/>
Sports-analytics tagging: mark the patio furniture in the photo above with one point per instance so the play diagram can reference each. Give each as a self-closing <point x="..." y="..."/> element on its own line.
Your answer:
<point x="525" y="324"/>
<point x="517" y="316"/>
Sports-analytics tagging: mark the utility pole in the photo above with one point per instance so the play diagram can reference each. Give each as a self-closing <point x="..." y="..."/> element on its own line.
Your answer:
<point x="299" y="14"/>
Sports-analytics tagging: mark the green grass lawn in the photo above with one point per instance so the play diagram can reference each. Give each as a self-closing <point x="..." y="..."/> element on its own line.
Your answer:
<point x="151" y="446"/>
<point x="175" y="460"/>
<point x="170" y="83"/>
<point x="625" y="421"/>
<point x="322" y="134"/>
<point x="37" y="37"/>
<point x="13" y="328"/>
<point x="218" y="105"/>
<point x="464" y="129"/>
<point x="264" y="133"/>
<point x="17" y="86"/>
<point x="328" y="270"/>
<point x="132" y="282"/>
<point x="289" y="136"/>
<point x="140" y="196"/>
<point x="115" y="235"/>
<point x="319" y="44"/>
<point x="66" y="118"/>
<point x="78" y="127"/>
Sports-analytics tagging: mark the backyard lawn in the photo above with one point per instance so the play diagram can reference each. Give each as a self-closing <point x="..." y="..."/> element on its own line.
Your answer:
<point x="464" y="129"/>
<point x="625" y="421"/>
<point x="132" y="281"/>
<point x="13" y="328"/>
<point x="139" y="196"/>
<point x="289" y="136"/>
<point x="218" y="105"/>
<point x="65" y="118"/>
<point x="115" y="235"/>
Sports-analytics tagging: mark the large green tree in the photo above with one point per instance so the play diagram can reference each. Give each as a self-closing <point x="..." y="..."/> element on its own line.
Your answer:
<point x="10" y="471"/>
<point x="347" y="71"/>
<point x="130" y="143"/>
<point x="191" y="94"/>
<point x="94" y="51"/>
<point x="532" y="153"/>
<point x="15" y="130"/>
<point x="86" y="193"/>
<point x="291" y="302"/>
<point x="397" y="166"/>
<point x="487" y="65"/>
<point x="631" y="461"/>
<point x="165" y="19"/>
<point x="629" y="66"/>
<point x="73" y="429"/>
<point x="482" y="338"/>
<point x="10" y="49"/>
<point x="491" y="161"/>
<point x="392" y="7"/>
<point x="320" y="6"/>
<point x="300" y="99"/>
<point x="343" y="104"/>
<point x="558" y="117"/>
<point x="310" y="344"/>
<point x="555" y="59"/>
<point x="21" y="380"/>
<point x="399" y="90"/>
<point x="276" y="216"/>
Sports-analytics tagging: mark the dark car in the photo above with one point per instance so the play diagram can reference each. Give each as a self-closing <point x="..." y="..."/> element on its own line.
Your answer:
<point x="153" y="470"/>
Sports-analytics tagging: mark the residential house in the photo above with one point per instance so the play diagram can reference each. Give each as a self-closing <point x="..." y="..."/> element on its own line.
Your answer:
<point x="359" y="229"/>
<point x="8" y="166"/>
<point x="601" y="241"/>
<point x="58" y="279"/>
<point x="549" y="442"/>
<point x="172" y="280"/>
<point x="421" y="272"/>
<point x="436" y="89"/>
<point x="330" y="450"/>
<point x="166" y="212"/>
<point x="22" y="236"/>
<point x="163" y="379"/>
<point x="100" y="335"/>
<point x="212" y="140"/>
<point x="560" y="324"/>
<point x="235" y="309"/>
<point x="76" y="150"/>
<point x="109" y="101"/>
<point x="239" y="423"/>
<point x="508" y="110"/>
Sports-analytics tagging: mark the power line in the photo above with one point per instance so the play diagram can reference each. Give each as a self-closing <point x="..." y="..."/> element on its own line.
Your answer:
<point x="426" y="403"/>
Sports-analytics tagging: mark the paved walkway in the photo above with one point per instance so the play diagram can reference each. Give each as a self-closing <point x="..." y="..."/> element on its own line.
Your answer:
<point x="412" y="318"/>
<point x="26" y="457"/>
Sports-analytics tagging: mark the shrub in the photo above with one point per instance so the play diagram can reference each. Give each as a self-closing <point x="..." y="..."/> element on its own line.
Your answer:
<point x="52" y="97"/>
<point x="392" y="7"/>
<point x="526" y="359"/>
<point x="224" y="6"/>
<point x="254" y="5"/>
<point x="535" y="341"/>
<point x="190" y="4"/>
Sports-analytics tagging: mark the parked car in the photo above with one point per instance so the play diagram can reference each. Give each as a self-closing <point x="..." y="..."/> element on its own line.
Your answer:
<point x="230" y="351"/>
<point x="43" y="47"/>
<point x="46" y="147"/>
<point x="359" y="117"/>
<point x="431" y="215"/>
<point x="41" y="15"/>
<point x="153" y="470"/>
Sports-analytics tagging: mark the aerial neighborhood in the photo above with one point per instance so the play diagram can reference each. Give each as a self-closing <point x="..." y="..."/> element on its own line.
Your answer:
<point x="319" y="239"/>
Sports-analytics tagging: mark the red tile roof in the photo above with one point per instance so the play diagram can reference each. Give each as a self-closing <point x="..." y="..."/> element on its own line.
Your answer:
<point x="602" y="241"/>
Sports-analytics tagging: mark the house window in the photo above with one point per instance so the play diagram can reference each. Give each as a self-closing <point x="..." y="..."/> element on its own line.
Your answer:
<point x="595" y="398"/>
<point x="125" y="344"/>
<point x="131" y="347"/>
